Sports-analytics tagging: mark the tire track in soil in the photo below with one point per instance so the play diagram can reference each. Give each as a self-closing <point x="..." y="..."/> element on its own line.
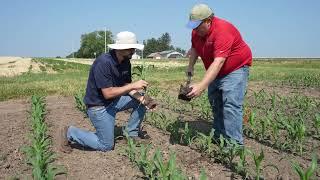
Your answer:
<point x="14" y="132"/>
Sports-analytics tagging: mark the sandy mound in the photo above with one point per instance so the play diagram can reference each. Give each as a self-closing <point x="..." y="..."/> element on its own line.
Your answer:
<point x="11" y="66"/>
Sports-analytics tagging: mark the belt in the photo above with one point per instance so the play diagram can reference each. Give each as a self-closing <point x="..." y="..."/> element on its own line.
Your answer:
<point x="93" y="105"/>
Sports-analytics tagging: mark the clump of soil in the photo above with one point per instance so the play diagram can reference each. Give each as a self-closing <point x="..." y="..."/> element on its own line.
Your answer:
<point x="149" y="102"/>
<point x="184" y="90"/>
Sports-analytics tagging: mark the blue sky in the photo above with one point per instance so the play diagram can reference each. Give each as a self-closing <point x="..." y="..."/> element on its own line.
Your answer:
<point x="273" y="28"/>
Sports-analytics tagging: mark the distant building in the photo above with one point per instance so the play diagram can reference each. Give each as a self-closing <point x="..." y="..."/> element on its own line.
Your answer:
<point x="155" y="55"/>
<point x="165" y="55"/>
<point x="136" y="56"/>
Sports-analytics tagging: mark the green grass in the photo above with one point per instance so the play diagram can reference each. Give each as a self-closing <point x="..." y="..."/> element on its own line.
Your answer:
<point x="71" y="77"/>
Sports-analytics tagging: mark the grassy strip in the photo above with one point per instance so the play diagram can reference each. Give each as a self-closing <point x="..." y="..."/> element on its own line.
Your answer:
<point x="69" y="77"/>
<point x="39" y="154"/>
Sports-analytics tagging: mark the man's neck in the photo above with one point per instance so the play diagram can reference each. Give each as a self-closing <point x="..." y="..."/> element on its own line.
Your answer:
<point x="119" y="57"/>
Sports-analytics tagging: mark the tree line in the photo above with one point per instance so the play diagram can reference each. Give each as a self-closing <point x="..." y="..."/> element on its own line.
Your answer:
<point x="93" y="44"/>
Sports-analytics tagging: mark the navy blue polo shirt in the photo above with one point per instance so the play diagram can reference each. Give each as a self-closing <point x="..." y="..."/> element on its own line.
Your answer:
<point x="105" y="72"/>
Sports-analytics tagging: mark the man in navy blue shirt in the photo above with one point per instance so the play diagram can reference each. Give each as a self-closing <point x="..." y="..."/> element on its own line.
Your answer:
<point x="109" y="90"/>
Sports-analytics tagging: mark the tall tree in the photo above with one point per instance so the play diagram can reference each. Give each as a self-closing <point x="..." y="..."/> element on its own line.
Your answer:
<point x="161" y="44"/>
<point x="92" y="43"/>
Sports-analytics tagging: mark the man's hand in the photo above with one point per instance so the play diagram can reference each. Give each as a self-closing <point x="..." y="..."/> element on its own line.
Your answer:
<point x="189" y="70"/>
<point x="138" y="85"/>
<point x="196" y="91"/>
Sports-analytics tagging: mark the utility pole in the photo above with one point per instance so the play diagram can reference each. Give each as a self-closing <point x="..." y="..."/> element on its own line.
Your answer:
<point x="105" y="40"/>
<point x="72" y="50"/>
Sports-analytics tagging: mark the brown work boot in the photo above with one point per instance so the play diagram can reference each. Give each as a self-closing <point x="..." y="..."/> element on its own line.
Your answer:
<point x="64" y="145"/>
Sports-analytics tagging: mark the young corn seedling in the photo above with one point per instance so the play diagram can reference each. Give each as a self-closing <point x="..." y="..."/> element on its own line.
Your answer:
<point x="275" y="133"/>
<point x="205" y="143"/>
<point x="174" y="128"/>
<point x="250" y="128"/>
<point x="309" y="172"/>
<point x="262" y="131"/>
<point x="144" y="164"/>
<point x="131" y="148"/>
<point x="227" y="150"/>
<point x="187" y="135"/>
<point x="258" y="164"/>
<point x="316" y="125"/>
<point x="241" y="167"/>
<point x="203" y="175"/>
<point x="167" y="170"/>
<point x="78" y="97"/>
<point x="39" y="154"/>
<point x="296" y="133"/>
<point x="232" y="150"/>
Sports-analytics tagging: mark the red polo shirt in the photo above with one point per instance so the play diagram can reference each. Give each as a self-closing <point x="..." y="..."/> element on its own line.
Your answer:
<point x="223" y="40"/>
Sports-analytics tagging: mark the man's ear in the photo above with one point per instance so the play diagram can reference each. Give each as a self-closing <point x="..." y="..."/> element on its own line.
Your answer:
<point x="207" y="21"/>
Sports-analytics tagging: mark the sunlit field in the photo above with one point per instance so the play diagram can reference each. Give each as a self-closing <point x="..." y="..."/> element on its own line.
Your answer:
<point x="281" y="121"/>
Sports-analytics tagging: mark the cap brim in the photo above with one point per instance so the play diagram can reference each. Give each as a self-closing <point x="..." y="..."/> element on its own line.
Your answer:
<point x="193" y="24"/>
<point x="126" y="46"/>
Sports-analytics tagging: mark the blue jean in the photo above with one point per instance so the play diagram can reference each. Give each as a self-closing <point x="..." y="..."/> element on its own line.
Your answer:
<point x="226" y="96"/>
<point x="103" y="119"/>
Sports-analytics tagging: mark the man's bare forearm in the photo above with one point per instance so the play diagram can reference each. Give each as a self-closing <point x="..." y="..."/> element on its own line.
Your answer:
<point x="135" y="94"/>
<point x="212" y="71"/>
<point x="113" y="92"/>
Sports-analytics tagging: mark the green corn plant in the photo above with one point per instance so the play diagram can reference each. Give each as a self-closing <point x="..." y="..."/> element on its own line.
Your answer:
<point x="187" y="135"/>
<point x="203" y="175"/>
<point x="300" y="134"/>
<point x="296" y="133"/>
<point x="131" y="148"/>
<point x="167" y="170"/>
<point x="38" y="153"/>
<point x="159" y="164"/>
<point x="231" y="151"/>
<point x="275" y="131"/>
<point x="154" y="92"/>
<point x="250" y="129"/>
<point x="227" y="150"/>
<point x="262" y="131"/>
<point x="144" y="164"/>
<point x="173" y="171"/>
<point x="273" y="100"/>
<point x="139" y="71"/>
<point x="258" y="163"/>
<point x="241" y="166"/>
<point x="308" y="173"/>
<point x="174" y="128"/>
<point x="316" y="125"/>
<point x="204" y="143"/>
<point x="78" y="97"/>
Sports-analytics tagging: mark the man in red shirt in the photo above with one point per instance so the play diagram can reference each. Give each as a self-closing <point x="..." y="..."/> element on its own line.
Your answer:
<point x="226" y="58"/>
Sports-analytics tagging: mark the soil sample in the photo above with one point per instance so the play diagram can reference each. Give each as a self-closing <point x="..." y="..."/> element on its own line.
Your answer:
<point x="149" y="102"/>
<point x="184" y="90"/>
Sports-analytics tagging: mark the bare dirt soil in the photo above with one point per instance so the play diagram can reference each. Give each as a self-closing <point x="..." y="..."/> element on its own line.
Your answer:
<point x="86" y="164"/>
<point x="13" y="137"/>
<point x="283" y="90"/>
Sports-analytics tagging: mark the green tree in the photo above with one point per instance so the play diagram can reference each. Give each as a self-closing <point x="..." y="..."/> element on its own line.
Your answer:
<point x="161" y="44"/>
<point x="93" y="42"/>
